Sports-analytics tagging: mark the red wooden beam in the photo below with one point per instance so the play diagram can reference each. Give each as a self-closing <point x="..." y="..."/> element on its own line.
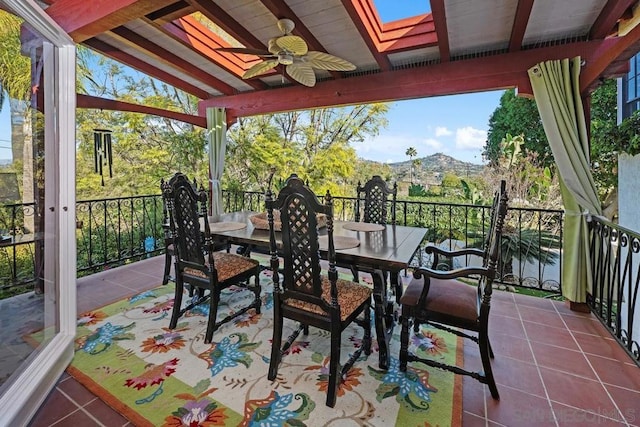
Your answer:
<point x="217" y="15"/>
<point x="406" y="34"/>
<point x="136" y="63"/>
<point x="87" y="101"/>
<point x="194" y="36"/>
<point x="368" y="24"/>
<point x="163" y="55"/>
<point x="523" y="12"/>
<point x="613" y="49"/>
<point x="84" y="19"/>
<point x="609" y="16"/>
<point x="440" y="21"/>
<point x="489" y="73"/>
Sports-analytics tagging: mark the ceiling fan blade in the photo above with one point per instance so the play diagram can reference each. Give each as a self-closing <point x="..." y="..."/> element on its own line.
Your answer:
<point x="260" y="68"/>
<point x="302" y="73"/>
<point x="245" y="50"/>
<point x="326" y="61"/>
<point x="293" y="44"/>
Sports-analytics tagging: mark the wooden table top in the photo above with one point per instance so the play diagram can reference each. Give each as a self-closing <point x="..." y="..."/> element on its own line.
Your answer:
<point x="389" y="249"/>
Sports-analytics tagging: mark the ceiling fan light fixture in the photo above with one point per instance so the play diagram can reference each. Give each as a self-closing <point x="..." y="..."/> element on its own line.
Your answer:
<point x="285" y="58"/>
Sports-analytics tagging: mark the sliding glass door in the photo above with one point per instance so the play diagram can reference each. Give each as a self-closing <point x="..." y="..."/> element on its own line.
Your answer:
<point x="37" y="207"/>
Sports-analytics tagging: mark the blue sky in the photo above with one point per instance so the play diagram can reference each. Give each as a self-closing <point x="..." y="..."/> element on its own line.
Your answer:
<point x="454" y="125"/>
<point x="5" y="132"/>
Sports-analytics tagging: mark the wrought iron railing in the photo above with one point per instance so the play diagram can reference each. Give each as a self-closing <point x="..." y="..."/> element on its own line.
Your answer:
<point x="17" y="248"/>
<point x="615" y="272"/>
<point x="118" y="230"/>
<point x="114" y="231"/>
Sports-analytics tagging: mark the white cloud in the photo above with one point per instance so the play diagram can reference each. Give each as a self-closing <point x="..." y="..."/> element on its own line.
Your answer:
<point x="443" y="131"/>
<point x="469" y="138"/>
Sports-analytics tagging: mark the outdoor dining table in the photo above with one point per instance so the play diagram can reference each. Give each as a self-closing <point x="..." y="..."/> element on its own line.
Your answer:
<point x="390" y="249"/>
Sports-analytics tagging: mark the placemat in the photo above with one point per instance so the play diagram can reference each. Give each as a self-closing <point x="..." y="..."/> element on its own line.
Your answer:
<point x="339" y="242"/>
<point x="362" y="226"/>
<point x="227" y="226"/>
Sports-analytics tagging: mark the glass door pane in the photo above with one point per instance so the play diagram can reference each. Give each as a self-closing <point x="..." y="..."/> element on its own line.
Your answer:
<point x="22" y="192"/>
<point x="37" y="249"/>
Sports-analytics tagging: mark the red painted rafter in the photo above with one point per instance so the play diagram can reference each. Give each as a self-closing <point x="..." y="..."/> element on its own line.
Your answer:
<point x="194" y="36"/>
<point x="217" y="15"/>
<point x="367" y="28"/>
<point x="613" y="49"/>
<point x="523" y="12"/>
<point x="175" y="11"/>
<point x="489" y="73"/>
<point x="280" y="9"/>
<point x="84" y="19"/>
<point x="408" y="34"/>
<point x="136" y="63"/>
<point x="609" y="16"/>
<point x="440" y="21"/>
<point x="173" y="60"/>
<point x="87" y="101"/>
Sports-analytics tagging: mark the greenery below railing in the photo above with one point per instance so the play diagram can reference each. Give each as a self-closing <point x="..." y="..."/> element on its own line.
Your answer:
<point x="115" y="231"/>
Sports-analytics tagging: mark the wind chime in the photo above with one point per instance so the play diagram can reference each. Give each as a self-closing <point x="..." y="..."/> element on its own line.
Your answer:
<point x="102" y="156"/>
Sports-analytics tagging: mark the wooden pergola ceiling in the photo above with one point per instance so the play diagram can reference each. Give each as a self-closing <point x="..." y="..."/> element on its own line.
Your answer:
<point x="461" y="46"/>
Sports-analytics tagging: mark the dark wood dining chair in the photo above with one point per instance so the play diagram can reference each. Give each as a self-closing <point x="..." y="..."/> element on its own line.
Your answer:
<point x="375" y="200"/>
<point x="169" y="248"/>
<point x="198" y="264"/>
<point x="444" y="300"/>
<point x="374" y="197"/>
<point x="305" y="295"/>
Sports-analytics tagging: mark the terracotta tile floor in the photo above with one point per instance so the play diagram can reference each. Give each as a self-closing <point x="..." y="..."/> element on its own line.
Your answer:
<point x="554" y="367"/>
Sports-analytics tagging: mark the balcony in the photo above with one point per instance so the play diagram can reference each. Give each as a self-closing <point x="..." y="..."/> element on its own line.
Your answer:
<point x="553" y="366"/>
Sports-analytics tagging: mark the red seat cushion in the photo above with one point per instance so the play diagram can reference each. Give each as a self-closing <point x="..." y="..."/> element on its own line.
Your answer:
<point x="450" y="297"/>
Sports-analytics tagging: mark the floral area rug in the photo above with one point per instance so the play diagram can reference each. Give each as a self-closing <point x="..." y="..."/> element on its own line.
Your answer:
<point x="154" y="376"/>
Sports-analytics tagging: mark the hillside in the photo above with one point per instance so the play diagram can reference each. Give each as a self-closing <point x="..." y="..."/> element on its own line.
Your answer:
<point x="433" y="168"/>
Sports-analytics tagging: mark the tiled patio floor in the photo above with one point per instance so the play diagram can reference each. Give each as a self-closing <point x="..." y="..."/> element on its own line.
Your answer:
<point x="554" y="367"/>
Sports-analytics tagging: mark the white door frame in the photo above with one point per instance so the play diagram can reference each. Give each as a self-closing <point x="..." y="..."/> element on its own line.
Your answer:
<point x="31" y="384"/>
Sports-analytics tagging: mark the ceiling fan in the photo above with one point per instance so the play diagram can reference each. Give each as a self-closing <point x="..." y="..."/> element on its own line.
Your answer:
<point x="292" y="52"/>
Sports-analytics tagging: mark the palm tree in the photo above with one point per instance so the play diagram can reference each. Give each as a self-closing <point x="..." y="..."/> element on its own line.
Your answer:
<point x="411" y="152"/>
<point x="15" y="83"/>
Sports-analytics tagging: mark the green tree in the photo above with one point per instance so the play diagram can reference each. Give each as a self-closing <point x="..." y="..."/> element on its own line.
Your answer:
<point x="146" y="148"/>
<point x="608" y="139"/>
<point x="516" y="116"/>
<point x="315" y="144"/>
<point x="15" y="86"/>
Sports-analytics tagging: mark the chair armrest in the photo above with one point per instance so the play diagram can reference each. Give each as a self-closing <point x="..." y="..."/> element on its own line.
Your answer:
<point x="436" y="251"/>
<point x="450" y="274"/>
<point x="459" y="252"/>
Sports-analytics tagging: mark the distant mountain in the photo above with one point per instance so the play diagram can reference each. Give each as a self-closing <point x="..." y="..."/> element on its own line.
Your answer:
<point x="433" y="168"/>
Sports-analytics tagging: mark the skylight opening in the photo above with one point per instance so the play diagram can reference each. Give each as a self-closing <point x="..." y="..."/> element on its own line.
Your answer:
<point x="394" y="10"/>
<point x="215" y="29"/>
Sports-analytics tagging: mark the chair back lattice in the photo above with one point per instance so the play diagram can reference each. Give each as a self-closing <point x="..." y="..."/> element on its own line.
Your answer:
<point x="375" y="194"/>
<point x="298" y="207"/>
<point x="186" y="205"/>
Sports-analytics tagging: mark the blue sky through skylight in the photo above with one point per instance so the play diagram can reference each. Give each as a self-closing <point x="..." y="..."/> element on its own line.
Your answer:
<point x="392" y="10"/>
